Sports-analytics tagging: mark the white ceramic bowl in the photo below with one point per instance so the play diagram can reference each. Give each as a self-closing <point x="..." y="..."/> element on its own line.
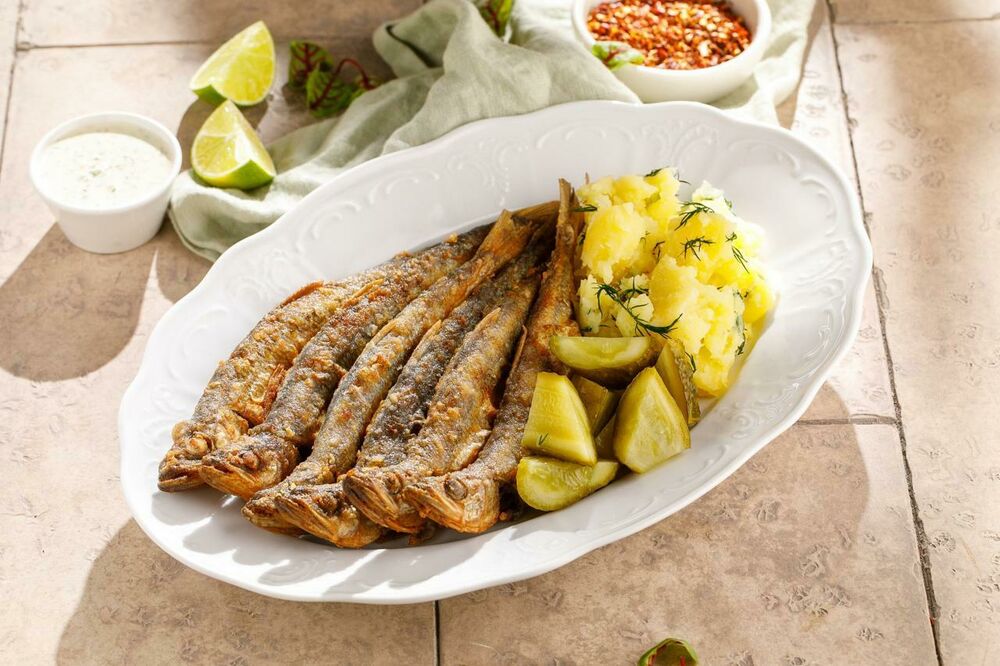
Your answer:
<point x="653" y="84"/>
<point x="816" y="251"/>
<point x="116" y="228"/>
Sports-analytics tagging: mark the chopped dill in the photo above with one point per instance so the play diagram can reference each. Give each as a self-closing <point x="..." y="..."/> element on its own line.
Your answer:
<point x="541" y="440"/>
<point x="691" y="208"/>
<point x="694" y="367"/>
<point x="656" y="250"/>
<point x="696" y="244"/>
<point x="729" y="203"/>
<point x="737" y="254"/>
<point x="653" y="172"/>
<point x="739" y="350"/>
<point x="621" y="297"/>
<point x="584" y="208"/>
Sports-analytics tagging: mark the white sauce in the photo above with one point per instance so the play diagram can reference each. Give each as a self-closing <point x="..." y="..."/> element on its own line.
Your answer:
<point x="102" y="170"/>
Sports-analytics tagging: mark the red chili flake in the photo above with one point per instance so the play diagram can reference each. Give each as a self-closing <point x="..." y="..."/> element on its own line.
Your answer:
<point x="672" y="35"/>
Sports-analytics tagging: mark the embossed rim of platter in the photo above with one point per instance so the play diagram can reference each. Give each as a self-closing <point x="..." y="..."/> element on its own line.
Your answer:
<point x="776" y="180"/>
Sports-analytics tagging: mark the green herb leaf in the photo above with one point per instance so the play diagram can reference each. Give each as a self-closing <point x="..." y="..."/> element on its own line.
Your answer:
<point x="737" y="254"/>
<point x="496" y="13"/>
<point x="616" y="55"/>
<point x="691" y="208"/>
<point x="584" y="208"/>
<point x="327" y="94"/>
<point x="694" y="366"/>
<point x="670" y="652"/>
<point x="305" y="57"/>
<point x="621" y="297"/>
<point x="696" y="244"/>
<point x="657" y="249"/>
<point x="653" y="172"/>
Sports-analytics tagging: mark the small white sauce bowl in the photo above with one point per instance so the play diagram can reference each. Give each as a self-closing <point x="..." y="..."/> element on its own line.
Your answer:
<point x="654" y="84"/>
<point x="116" y="228"/>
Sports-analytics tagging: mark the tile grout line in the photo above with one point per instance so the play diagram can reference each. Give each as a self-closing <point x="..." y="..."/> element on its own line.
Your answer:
<point x="954" y="19"/>
<point x="918" y="523"/>
<point x="858" y="420"/>
<point x="10" y="81"/>
<point x="28" y="46"/>
<point x="437" y="633"/>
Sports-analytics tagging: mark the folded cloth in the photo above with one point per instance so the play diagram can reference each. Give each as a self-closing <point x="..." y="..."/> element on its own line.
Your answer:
<point x="451" y="70"/>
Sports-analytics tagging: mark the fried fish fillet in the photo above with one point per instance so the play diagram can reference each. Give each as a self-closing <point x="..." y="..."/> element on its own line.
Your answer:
<point x="244" y="386"/>
<point x="462" y="408"/>
<point x="322" y="510"/>
<point x="374" y="372"/>
<point x="468" y="500"/>
<point x="236" y="466"/>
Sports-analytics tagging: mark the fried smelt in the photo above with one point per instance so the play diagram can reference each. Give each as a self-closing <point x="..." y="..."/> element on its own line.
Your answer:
<point x="462" y="407"/>
<point x="376" y="370"/>
<point x="244" y="386"/>
<point x="244" y="465"/>
<point x="322" y="510"/>
<point x="468" y="500"/>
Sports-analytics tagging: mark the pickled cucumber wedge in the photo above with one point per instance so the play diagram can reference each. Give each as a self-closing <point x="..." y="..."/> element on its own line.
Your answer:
<point x="548" y="484"/>
<point x="677" y="373"/>
<point x="670" y="652"/>
<point x="608" y="361"/>
<point x="604" y="442"/>
<point x="599" y="402"/>
<point x="649" y="426"/>
<point x="557" y="421"/>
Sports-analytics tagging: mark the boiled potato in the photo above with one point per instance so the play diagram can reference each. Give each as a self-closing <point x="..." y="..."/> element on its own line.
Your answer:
<point x="649" y="426"/>
<point x="557" y="421"/>
<point x="599" y="402"/>
<point x="607" y="361"/>
<point x="693" y="263"/>
<point x="548" y="484"/>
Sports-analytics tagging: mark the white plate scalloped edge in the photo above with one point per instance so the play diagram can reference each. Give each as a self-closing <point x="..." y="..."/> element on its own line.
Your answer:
<point x="817" y="249"/>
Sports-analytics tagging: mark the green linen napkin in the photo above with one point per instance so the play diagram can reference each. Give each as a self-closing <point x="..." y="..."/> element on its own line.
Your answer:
<point x="452" y="70"/>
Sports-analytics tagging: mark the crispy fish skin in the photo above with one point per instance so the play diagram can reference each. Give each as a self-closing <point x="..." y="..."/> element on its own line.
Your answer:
<point x="253" y="461"/>
<point x="469" y="500"/>
<point x="376" y="370"/>
<point x="323" y="510"/>
<point x="462" y="408"/>
<point x="244" y="385"/>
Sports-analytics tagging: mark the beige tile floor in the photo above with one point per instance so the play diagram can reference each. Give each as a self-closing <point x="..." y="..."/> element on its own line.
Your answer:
<point x="867" y="534"/>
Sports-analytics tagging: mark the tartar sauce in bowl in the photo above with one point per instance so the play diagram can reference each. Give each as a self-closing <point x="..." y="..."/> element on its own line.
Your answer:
<point x="102" y="169"/>
<point x="106" y="178"/>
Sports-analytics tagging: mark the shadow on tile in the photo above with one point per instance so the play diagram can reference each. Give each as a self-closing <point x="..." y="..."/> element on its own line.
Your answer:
<point x="141" y="606"/>
<point x="68" y="312"/>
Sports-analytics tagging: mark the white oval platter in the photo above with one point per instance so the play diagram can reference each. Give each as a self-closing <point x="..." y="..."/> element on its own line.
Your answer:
<point x="817" y="250"/>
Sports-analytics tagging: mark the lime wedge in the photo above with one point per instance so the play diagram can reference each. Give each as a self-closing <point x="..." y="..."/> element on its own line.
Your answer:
<point x="241" y="70"/>
<point x="228" y="153"/>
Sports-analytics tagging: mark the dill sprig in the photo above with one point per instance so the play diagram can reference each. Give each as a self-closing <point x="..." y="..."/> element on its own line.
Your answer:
<point x="541" y="440"/>
<point x="656" y="250"/>
<point x="691" y="208"/>
<point x="622" y="297"/>
<point x="696" y="244"/>
<point x="737" y="253"/>
<point x="584" y="208"/>
<point x="694" y="367"/>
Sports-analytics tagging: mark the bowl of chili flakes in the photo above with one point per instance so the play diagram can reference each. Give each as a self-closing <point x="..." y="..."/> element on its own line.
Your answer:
<point x="698" y="51"/>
